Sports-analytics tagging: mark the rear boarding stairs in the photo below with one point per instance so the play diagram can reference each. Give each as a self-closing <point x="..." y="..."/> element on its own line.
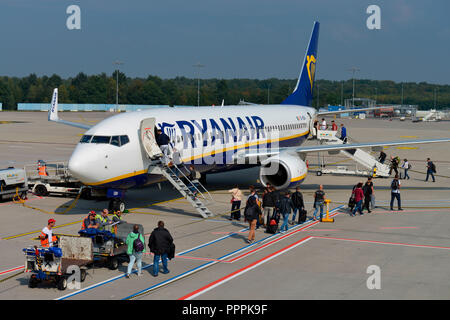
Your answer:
<point x="360" y="156"/>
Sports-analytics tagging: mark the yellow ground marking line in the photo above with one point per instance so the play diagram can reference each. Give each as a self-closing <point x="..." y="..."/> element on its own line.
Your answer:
<point x="37" y="231"/>
<point x="407" y="148"/>
<point x="408" y="137"/>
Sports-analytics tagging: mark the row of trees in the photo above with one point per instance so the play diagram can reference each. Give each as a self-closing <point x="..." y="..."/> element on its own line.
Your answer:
<point x="183" y="91"/>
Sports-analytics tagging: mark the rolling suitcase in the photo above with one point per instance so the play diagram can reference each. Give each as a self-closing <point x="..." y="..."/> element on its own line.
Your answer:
<point x="302" y="216"/>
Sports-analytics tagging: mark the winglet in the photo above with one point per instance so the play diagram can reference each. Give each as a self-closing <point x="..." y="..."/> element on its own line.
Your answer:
<point x="303" y="91"/>
<point x="53" y="111"/>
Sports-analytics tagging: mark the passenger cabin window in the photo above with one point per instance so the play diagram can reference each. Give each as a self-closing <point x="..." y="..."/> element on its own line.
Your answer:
<point x="101" y="139"/>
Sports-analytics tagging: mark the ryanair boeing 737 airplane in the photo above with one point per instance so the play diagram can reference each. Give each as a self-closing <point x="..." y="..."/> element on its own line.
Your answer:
<point x="117" y="153"/>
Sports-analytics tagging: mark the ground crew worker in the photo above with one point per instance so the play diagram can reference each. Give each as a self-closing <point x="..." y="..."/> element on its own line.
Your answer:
<point x="90" y="221"/>
<point x="117" y="217"/>
<point x="47" y="238"/>
<point x="103" y="219"/>
<point x="42" y="169"/>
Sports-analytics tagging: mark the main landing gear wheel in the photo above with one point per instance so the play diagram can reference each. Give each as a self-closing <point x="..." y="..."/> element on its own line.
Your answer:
<point x="319" y="173"/>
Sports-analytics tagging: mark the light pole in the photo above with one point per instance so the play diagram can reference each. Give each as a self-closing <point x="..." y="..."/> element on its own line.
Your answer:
<point x="376" y="94"/>
<point x="268" y="93"/>
<point x="117" y="63"/>
<point x="402" y="94"/>
<point x="435" y="98"/>
<point x="198" y="65"/>
<point x="353" y="70"/>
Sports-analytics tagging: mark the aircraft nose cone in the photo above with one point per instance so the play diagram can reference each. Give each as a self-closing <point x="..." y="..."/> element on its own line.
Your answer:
<point x="78" y="166"/>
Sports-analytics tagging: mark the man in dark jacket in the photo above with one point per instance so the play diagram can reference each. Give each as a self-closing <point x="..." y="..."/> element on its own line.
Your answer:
<point x="297" y="201"/>
<point x="367" y="190"/>
<point x="286" y="206"/>
<point x="160" y="243"/>
<point x="268" y="205"/>
<point x="163" y="141"/>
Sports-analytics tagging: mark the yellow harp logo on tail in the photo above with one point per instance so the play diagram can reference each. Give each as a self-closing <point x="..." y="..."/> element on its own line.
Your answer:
<point x="311" y="66"/>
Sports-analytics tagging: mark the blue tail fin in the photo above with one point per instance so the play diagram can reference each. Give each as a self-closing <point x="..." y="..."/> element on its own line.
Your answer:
<point x="303" y="92"/>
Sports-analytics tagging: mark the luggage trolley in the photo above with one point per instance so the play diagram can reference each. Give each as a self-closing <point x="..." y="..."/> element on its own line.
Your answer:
<point x="53" y="264"/>
<point x="109" y="245"/>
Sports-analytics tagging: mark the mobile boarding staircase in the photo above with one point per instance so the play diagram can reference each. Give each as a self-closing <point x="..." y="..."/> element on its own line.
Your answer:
<point x="190" y="190"/>
<point x="171" y="170"/>
<point x="365" y="159"/>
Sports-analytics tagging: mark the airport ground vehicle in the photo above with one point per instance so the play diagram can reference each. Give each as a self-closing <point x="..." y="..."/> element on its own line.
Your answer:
<point x="13" y="181"/>
<point x="56" y="264"/>
<point x="57" y="180"/>
<point x="108" y="246"/>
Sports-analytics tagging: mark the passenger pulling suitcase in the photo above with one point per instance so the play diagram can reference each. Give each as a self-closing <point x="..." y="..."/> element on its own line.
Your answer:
<point x="302" y="216"/>
<point x="274" y="220"/>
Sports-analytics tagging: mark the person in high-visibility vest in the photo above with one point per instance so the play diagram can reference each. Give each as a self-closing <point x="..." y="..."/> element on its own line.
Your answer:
<point x="117" y="218"/>
<point x="103" y="219"/>
<point x="90" y="221"/>
<point x="47" y="238"/>
<point x="42" y="169"/>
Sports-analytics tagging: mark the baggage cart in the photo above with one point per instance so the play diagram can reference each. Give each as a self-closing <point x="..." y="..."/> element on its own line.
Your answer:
<point x="55" y="264"/>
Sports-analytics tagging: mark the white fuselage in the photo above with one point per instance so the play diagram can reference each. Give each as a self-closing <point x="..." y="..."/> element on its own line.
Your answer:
<point x="207" y="137"/>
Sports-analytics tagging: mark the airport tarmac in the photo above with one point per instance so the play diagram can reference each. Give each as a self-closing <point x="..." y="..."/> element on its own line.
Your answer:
<point x="311" y="261"/>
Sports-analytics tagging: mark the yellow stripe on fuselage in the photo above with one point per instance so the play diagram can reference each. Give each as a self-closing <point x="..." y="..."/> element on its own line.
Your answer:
<point x="245" y="145"/>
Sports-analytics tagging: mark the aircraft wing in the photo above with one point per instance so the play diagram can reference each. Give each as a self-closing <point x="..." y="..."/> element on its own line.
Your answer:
<point x="348" y="111"/>
<point x="53" y="114"/>
<point x="319" y="148"/>
<point x="252" y="154"/>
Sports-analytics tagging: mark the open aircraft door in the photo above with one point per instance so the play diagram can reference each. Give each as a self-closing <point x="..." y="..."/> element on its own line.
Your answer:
<point x="148" y="139"/>
<point x="312" y="130"/>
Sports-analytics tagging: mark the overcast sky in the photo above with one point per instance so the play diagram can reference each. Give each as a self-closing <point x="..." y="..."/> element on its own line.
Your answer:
<point x="232" y="38"/>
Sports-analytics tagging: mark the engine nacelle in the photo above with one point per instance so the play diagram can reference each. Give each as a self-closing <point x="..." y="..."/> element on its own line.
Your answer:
<point x="283" y="171"/>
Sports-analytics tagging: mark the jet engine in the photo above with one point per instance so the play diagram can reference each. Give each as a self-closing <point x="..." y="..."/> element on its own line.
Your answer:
<point x="283" y="171"/>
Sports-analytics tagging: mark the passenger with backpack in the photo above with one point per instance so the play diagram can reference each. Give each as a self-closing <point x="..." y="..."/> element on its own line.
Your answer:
<point x="136" y="247"/>
<point x="431" y="168"/>
<point x="395" y="193"/>
<point x="160" y="244"/>
<point x="406" y="166"/>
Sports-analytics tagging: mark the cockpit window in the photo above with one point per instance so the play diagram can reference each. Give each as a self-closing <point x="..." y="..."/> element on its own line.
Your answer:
<point x="85" y="139"/>
<point x="100" y="139"/>
<point x="124" y="140"/>
<point x="115" y="141"/>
